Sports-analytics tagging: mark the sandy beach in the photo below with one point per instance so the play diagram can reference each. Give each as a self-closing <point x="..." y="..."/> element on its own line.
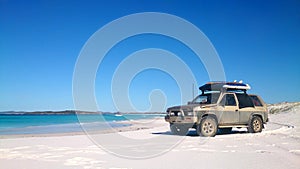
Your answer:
<point x="149" y="144"/>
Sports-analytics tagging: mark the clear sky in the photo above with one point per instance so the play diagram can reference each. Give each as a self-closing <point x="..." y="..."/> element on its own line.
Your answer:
<point x="257" y="41"/>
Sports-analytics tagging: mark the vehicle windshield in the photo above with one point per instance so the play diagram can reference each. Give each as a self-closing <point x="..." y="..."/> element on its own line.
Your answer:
<point x="210" y="98"/>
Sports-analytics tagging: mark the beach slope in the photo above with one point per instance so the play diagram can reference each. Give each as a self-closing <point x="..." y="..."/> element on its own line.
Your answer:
<point x="278" y="146"/>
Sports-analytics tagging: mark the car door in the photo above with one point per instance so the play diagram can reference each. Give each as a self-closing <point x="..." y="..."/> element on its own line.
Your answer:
<point x="229" y="113"/>
<point x="246" y="107"/>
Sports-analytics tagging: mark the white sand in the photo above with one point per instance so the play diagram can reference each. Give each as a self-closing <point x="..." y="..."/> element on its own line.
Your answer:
<point x="278" y="146"/>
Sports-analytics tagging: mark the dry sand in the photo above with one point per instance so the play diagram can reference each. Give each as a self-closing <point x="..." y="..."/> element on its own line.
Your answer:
<point x="150" y="145"/>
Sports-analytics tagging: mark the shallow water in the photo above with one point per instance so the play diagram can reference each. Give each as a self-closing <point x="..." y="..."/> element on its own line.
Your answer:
<point x="11" y="124"/>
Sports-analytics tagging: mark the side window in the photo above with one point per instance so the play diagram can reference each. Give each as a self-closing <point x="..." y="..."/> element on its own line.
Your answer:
<point x="244" y="100"/>
<point x="228" y="100"/>
<point x="256" y="101"/>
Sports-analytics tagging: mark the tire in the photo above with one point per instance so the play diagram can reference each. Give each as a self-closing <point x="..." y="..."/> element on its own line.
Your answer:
<point x="208" y="127"/>
<point x="179" y="129"/>
<point x="225" y="130"/>
<point x="255" y="125"/>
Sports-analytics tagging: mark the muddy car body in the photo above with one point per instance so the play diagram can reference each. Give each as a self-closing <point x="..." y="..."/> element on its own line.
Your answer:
<point x="222" y="105"/>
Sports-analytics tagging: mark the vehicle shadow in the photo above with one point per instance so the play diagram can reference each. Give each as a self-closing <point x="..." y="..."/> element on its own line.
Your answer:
<point x="231" y="132"/>
<point x="193" y="133"/>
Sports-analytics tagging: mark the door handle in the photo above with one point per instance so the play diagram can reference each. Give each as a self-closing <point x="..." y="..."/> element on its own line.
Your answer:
<point x="236" y="110"/>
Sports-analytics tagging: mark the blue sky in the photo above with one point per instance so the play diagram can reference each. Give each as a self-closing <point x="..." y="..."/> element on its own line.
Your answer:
<point x="258" y="42"/>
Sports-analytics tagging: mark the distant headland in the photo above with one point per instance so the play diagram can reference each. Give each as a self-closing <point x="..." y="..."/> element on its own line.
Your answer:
<point x="69" y="112"/>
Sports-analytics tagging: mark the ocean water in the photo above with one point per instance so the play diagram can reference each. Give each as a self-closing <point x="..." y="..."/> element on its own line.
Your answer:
<point x="12" y="124"/>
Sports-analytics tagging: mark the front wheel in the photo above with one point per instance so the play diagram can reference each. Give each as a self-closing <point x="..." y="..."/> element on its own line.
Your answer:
<point x="255" y="125"/>
<point x="207" y="127"/>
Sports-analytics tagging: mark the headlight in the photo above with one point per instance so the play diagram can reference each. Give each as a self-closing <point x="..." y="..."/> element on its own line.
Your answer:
<point x="179" y="113"/>
<point x="190" y="113"/>
<point x="172" y="114"/>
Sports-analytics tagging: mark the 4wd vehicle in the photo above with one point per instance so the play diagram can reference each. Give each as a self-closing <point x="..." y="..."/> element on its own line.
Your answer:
<point x="222" y="105"/>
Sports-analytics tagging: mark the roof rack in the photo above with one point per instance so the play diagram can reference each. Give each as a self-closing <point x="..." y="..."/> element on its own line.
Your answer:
<point x="220" y="86"/>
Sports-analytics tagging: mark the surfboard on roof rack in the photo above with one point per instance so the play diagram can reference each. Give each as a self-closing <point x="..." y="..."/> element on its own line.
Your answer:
<point x="218" y="86"/>
<point x="236" y="85"/>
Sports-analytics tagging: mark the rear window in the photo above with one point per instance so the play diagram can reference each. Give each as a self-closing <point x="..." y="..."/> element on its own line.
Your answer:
<point x="256" y="101"/>
<point x="244" y="100"/>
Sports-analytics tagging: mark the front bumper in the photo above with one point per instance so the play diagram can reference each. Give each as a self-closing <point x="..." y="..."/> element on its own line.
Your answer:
<point x="180" y="119"/>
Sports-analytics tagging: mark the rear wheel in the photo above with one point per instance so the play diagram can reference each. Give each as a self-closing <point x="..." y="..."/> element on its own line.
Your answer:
<point x="179" y="129"/>
<point x="255" y="125"/>
<point x="207" y="127"/>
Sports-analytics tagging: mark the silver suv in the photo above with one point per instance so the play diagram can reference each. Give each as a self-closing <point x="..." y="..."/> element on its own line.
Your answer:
<point x="222" y="105"/>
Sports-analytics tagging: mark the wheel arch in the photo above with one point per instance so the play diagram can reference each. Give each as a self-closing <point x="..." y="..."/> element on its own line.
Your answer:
<point x="209" y="115"/>
<point x="257" y="115"/>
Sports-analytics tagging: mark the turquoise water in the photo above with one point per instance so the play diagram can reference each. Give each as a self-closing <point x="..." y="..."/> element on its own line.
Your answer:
<point x="45" y="124"/>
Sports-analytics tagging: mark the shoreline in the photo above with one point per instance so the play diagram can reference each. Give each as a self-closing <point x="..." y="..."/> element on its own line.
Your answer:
<point x="129" y="125"/>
